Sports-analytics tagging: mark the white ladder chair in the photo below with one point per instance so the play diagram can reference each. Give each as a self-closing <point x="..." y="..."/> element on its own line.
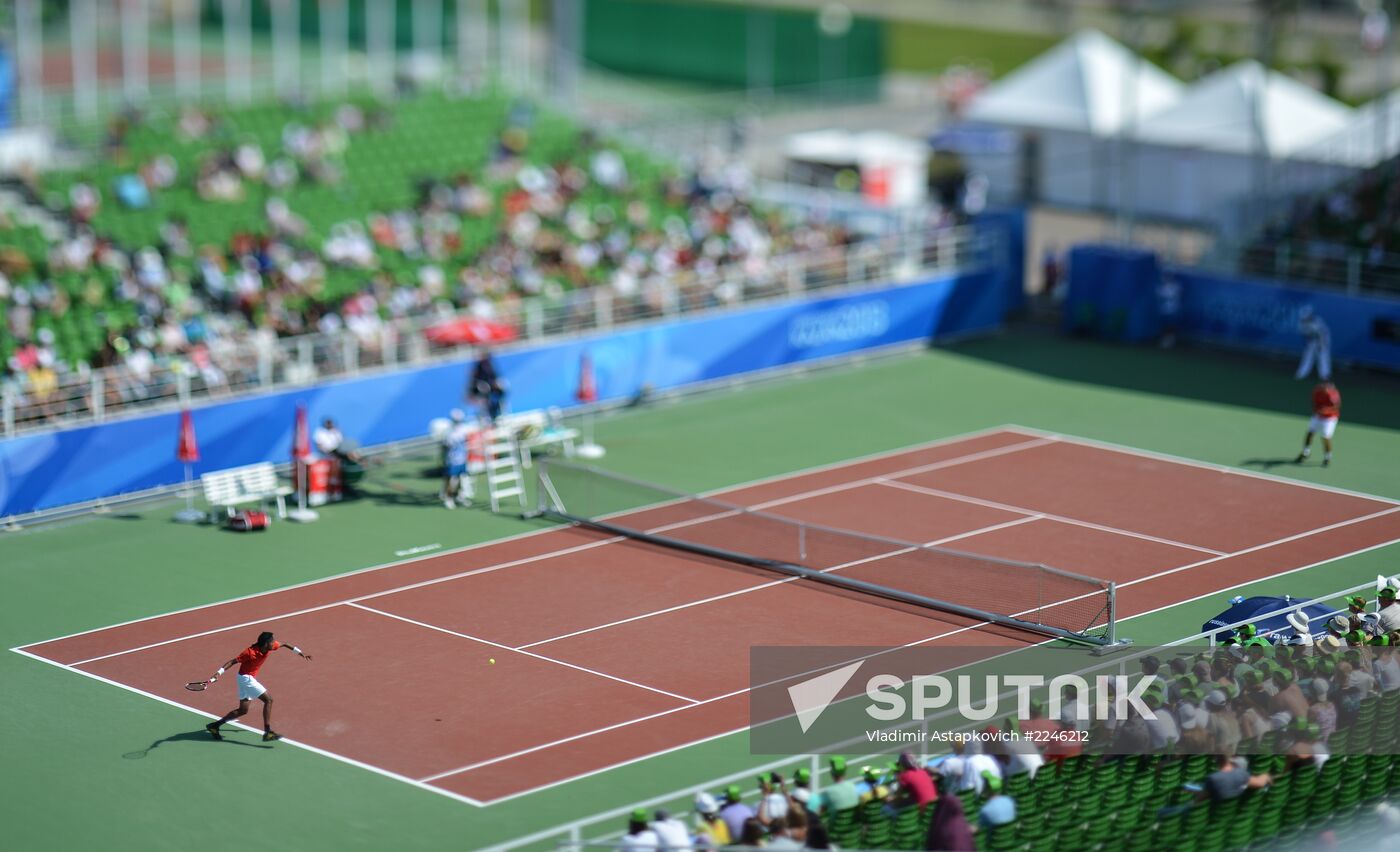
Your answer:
<point x="504" y="479"/>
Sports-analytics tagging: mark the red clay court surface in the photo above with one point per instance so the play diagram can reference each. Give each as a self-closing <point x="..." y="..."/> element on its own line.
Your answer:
<point x="608" y="651"/>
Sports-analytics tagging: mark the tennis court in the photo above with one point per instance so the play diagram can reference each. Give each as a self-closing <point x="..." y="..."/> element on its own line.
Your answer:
<point x="608" y="650"/>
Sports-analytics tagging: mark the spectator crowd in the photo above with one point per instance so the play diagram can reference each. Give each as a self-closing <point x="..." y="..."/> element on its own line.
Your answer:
<point x="1244" y="713"/>
<point x="1323" y="234"/>
<point x="536" y="220"/>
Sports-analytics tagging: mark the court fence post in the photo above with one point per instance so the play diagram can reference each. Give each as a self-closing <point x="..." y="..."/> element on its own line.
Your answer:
<point x="389" y="345"/>
<point x="265" y="361"/>
<point x="602" y="308"/>
<point x="670" y="299"/>
<point x="417" y="348"/>
<point x="534" y="319"/>
<point x="98" y="401"/>
<point x="305" y="358"/>
<point x="794" y="277"/>
<point x="7" y="408"/>
<point x="350" y="348"/>
<point x="816" y="771"/>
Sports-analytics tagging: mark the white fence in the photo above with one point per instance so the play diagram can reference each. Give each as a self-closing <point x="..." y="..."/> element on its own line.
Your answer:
<point x="259" y="363"/>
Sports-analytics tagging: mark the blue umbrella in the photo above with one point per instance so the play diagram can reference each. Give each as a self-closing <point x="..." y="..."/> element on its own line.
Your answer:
<point x="1246" y="609"/>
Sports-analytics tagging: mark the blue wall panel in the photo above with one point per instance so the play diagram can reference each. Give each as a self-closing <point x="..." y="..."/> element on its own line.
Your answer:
<point x="1264" y="315"/>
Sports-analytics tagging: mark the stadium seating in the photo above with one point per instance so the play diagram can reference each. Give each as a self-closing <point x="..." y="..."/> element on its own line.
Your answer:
<point x="1141" y="802"/>
<point x="1342" y="235"/>
<point x="371" y="161"/>
<point x="1066" y="810"/>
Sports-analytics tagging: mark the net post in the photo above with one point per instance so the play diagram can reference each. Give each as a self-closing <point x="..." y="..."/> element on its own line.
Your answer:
<point x="1112" y="633"/>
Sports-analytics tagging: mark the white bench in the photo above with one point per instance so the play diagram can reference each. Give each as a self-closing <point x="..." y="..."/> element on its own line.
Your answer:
<point x="535" y="429"/>
<point x="256" y="483"/>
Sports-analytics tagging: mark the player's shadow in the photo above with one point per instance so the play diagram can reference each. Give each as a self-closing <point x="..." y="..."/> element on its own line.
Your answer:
<point x="1268" y="464"/>
<point x="193" y="736"/>
<point x="394" y="494"/>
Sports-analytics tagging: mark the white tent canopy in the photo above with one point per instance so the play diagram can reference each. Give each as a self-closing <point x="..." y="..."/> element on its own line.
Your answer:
<point x="1220" y="112"/>
<point x="1081" y="85"/>
<point x="893" y="169"/>
<point x="1370" y="137"/>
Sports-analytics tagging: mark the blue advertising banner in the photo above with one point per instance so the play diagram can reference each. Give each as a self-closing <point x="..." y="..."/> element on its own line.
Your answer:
<point x="56" y="468"/>
<point x="1264" y="315"/>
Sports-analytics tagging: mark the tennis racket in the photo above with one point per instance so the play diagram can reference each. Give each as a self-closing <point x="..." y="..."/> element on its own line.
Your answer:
<point x="199" y="685"/>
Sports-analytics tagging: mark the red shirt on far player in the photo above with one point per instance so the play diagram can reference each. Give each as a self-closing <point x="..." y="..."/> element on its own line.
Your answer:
<point x="252" y="658"/>
<point x="1326" y="401"/>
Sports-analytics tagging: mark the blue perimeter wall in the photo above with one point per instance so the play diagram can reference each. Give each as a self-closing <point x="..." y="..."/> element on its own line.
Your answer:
<point x="1263" y="315"/>
<point x="57" y="468"/>
<point x="1117" y="293"/>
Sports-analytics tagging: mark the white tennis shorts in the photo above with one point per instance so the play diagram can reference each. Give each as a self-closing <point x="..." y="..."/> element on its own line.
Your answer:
<point x="1324" y="426"/>
<point x="249" y="688"/>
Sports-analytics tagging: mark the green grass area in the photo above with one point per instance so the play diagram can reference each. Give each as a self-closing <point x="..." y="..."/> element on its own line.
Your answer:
<point x="931" y="48"/>
<point x="67" y="785"/>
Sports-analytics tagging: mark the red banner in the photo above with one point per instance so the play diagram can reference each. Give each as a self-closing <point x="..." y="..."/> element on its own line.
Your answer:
<point x="187" y="450"/>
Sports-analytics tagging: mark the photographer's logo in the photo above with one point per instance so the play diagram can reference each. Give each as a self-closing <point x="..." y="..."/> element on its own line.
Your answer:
<point x="1115" y="696"/>
<point x="811" y="697"/>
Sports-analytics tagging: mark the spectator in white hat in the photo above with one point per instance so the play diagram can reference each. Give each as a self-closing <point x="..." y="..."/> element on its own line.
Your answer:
<point x="1302" y="632"/>
<point x="1195" y="736"/>
<point x="708" y="825"/>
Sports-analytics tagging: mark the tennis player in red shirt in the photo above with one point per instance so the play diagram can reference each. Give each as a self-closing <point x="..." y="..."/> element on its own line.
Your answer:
<point x="249" y="661"/>
<point x="1327" y="408"/>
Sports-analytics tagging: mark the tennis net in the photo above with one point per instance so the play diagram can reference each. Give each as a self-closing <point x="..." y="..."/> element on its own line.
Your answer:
<point x="1022" y="595"/>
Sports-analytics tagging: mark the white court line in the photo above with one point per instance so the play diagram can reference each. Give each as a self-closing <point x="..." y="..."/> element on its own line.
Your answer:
<point x="542" y="746"/>
<point x="772" y="583"/>
<point x="909" y="471"/>
<point x="972" y="627"/>
<point x="1266" y="545"/>
<point x="294" y="613"/>
<point x="728" y="489"/>
<point x="979" y="625"/>
<point x="620" y="764"/>
<point x="523" y="653"/>
<point x="753" y="483"/>
<point x="992" y="504"/>
<point x="332" y="755"/>
<point x="1189" y="462"/>
<point x="471" y="572"/>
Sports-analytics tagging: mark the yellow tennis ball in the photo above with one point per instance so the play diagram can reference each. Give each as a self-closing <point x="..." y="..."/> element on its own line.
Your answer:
<point x="492" y="661"/>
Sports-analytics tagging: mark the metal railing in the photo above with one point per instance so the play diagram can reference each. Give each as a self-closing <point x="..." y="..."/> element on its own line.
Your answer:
<point x="1355" y="270"/>
<point x="31" y="402"/>
<point x="605" y="829"/>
